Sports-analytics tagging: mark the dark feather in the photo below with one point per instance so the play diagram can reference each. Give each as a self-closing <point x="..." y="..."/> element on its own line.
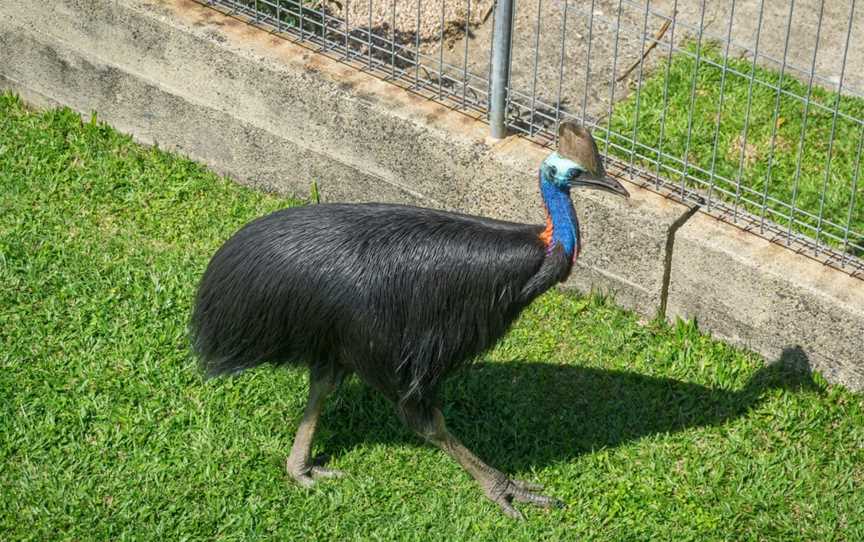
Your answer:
<point x="400" y="295"/>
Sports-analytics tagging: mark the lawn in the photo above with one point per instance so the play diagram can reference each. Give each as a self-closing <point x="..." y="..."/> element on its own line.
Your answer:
<point x="108" y="431"/>
<point x="769" y="161"/>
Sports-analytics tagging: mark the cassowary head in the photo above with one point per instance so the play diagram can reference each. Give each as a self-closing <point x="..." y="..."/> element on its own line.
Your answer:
<point x="577" y="163"/>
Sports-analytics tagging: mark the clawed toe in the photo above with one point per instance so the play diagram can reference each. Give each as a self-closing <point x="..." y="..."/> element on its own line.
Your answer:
<point x="303" y="480"/>
<point x="528" y="486"/>
<point x="517" y="490"/>
<point x="306" y="475"/>
<point x="543" y="501"/>
<point x="321" y="472"/>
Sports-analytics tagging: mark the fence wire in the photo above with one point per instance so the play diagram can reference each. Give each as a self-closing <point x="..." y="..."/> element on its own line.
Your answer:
<point x="751" y="109"/>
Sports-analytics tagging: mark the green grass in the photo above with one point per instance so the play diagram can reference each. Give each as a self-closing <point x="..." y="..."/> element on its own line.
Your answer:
<point x="107" y="430"/>
<point x="784" y="153"/>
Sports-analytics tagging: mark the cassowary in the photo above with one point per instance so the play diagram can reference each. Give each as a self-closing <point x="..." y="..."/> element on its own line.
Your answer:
<point x="401" y="296"/>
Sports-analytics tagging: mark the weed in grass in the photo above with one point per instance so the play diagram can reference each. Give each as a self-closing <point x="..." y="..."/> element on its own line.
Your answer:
<point x="297" y="14"/>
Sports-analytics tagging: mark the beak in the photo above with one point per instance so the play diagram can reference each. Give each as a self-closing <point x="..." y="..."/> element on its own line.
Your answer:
<point x="604" y="183"/>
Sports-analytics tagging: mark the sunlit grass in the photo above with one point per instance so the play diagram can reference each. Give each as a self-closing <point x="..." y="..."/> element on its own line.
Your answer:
<point x="799" y="168"/>
<point x="107" y="430"/>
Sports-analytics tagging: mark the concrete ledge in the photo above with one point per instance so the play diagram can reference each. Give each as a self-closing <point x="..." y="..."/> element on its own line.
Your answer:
<point x="757" y="294"/>
<point x="276" y="115"/>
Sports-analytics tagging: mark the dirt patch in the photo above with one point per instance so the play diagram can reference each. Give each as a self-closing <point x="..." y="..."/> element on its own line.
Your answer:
<point x="401" y="15"/>
<point x="751" y="153"/>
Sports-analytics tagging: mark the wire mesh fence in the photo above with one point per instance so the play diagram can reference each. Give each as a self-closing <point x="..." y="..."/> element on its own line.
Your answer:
<point x="751" y="109"/>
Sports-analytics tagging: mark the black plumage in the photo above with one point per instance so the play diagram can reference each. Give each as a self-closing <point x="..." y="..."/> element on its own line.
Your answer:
<point x="402" y="296"/>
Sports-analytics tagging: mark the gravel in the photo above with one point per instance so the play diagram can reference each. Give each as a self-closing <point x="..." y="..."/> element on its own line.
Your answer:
<point x="402" y="15"/>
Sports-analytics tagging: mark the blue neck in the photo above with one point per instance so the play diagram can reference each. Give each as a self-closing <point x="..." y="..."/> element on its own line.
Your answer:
<point x="565" y="225"/>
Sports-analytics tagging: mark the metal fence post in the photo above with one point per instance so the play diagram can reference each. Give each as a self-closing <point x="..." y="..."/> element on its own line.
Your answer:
<point x="831" y="229"/>
<point x="500" y="69"/>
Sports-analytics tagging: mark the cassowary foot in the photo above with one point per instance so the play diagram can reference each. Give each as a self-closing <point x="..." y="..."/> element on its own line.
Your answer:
<point x="498" y="488"/>
<point x="299" y="465"/>
<point x="307" y="475"/>
<point x="503" y="491"/>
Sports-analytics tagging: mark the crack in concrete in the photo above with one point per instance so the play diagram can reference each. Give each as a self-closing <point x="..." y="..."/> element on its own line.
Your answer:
<point x="667" y="263"/>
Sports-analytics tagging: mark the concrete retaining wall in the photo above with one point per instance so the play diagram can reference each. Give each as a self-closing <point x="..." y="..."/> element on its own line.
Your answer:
<point x="276" y="115"/>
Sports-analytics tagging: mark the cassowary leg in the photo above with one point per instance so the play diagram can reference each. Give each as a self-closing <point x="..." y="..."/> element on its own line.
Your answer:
<point x="495" y="484"/>
<point x="299" y="463"/>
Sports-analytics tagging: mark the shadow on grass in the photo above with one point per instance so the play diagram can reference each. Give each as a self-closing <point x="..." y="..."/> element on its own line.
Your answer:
<point x="518" y="415"/>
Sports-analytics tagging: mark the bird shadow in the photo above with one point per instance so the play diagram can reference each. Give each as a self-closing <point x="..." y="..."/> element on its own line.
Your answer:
<point x="522" y="415"/>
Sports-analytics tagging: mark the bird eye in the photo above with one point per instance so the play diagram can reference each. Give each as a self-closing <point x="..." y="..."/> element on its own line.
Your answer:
<point x="575" y="173"/>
